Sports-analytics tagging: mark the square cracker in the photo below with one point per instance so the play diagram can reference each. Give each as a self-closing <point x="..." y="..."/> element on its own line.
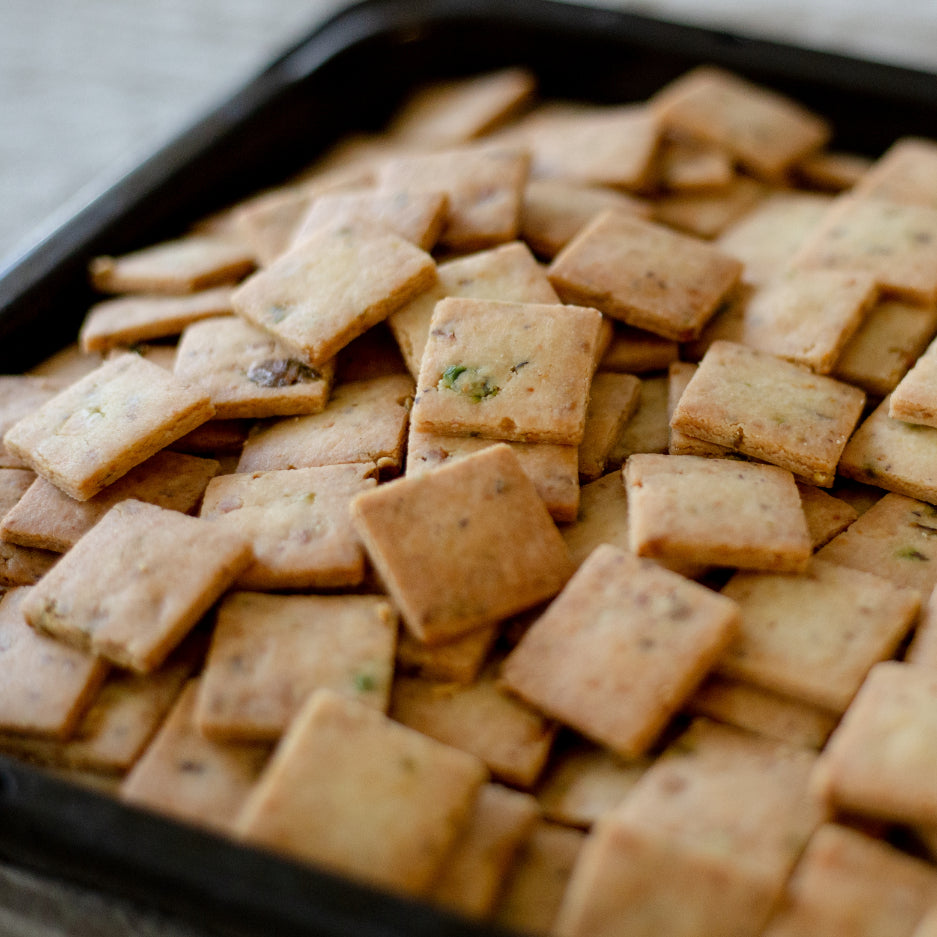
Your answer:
<point x="634" y="351"/>
<point x="808" y="316"/>
<point x="613" y="399"/>
<point x="186" y="265"/>
<point x="765" y="131"/>
<point x="894" y="538"/>
<point x="888" y="341"/>
<point x="331" y="288"/>
<point x="49" y="519"/>
<point x="45" y="686"/>
<point x="21" y="395"/>
<point x="297" y="521"/>
<point x="825" y="514"/>
<point x="679" y="375"/>
<point x="248" y="373"/>
<point x="895" y="243"/>
<point x="97" y="429"/>
<point x="136" y="583"/>
<point x="708" y="214"/>
<point x="905" y="173"/>
<point x="849" y="883"/>
<point x="510" y="737"/>
<point x="644" y="274"/>
<point x="477" y="530"/>
<point x="893" y="455"/>
<point x="553" y="469"/>
<point x="508" y="272"/>
<point x="269" y="652"/>
<point x="363" y="422"/>
<point x="351" y="790"/>
<point x="717" y="512"/>
<point x="513" y="371"/>
<point x="913" y="399"/>
<point x="882" y="759"/>
<point x="816" y="635"/>
<point x="484" y="185"/>
<point x="131" y="319"/>
<point x="702" y="845"/>
<point x="648" y="429"/>
<point x="771" y="409"/>
<point x="620" y="649"/>
<point x="190" y="777"/>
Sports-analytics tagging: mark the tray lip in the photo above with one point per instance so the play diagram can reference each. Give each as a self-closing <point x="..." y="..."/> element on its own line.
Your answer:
<point x="45" y="809"/>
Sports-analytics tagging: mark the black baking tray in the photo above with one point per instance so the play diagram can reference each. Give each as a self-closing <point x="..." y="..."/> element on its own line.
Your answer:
<point x="349" y="74"/>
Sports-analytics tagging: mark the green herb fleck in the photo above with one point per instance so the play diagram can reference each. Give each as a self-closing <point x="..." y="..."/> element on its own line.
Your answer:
<point x="365" y="682"/>
<point x="281" y="372"/>
<point x="278" y="312"/>
<point x="469" y="382"/>
<point x="910" y="553"/>
<point x="451" y="374"/>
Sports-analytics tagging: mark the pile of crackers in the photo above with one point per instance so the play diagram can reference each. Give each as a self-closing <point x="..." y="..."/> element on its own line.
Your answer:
<point x="529" y="509"/>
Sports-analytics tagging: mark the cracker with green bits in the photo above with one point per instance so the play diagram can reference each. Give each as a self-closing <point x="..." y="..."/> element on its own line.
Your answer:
<point x="618" y="652"/>
<point x="193" y="778"/>
<point x="773" y="410"/>
<point x="508" y="272"/>
<point x="364" y="422"/>
<point x="816" y="635"/>
<point x="512" y="371"/>
<point x="354" y="792"/>
<point x="269" y="652"/>
<point x="297" y="521"/>
<point x="129" y="320"/>
<point x="332" y="287"/>
<point x="97" y="429"/>
<point x="645" y="275"/>
<point x="186" y="265"/>
<point x="248" y="373"/>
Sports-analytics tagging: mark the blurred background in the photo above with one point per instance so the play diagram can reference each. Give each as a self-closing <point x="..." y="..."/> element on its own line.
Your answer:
<point x="88" y="87"/>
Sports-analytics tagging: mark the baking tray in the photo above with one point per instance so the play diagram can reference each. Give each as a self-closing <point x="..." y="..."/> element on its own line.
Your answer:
<point x="349" y="74"/>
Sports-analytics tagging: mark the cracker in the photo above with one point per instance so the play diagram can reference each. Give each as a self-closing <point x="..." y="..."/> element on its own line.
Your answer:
<point x="534" y="888"/>
<point x="512" y="739"/>
<point x="508" y="272"/>
<point x="904" y="173"/>
<point x="768" y="237"/>
<point x="190" y="777"/>
<point x="131" y="319"/>
<point x="373" y="354"/>
<point x="267" y="222"/>
<point x="350" y="790"/>
<point x="65" y="366"/>
<point x="717" y="512"/>
<point x="774" y="410"/>
<point x="514" y="371"/>
<point x="458" y="661"/>
<point x="634" y="351"/>
<point x="417" y="217"/>
<point x="23" y="566"/>
<point x="808" y="316"/>
<point x="895" y="243"/>
<point x="45" y="685"/>
<point x="912" y="399"/>
<point x="248" y="373"/>
<point x="297" y="521"/>
<point x="554" y="211"/>
<point x="114" y="418"/>
<point x="613" y="399"/>
<point x="923" y="647"/>
<point x="554" y="469"/>
<point x="484" y="185"/>
<point x="765" y="131"/>
<point x="757" y="710"/>
<point x="627" y="631"/>
<point x="21" y="395"/>
<point x="162" y="354"/>
<point x="475" y="871"/>
<point x="446" y="113"/>
<point x="602" y="517"/>
<point x="47" y="518"/>
<point x="893" y="455"/>
<point x="270" y="652"/>
<point x="132" y="612"/>
<point x="679" y="374"/>
<point x="702" y="845"/>
<point x="584" y="783"/>
<point x="185" y="265"/>
<point x="816" y="635"/>
<point x="685" y="165"/>
<point x="708" y="214"/>
<point x="648" y="429"/>
<point x="832" y="170"/>
<point x="881" y="760"/>
<point x="597" y="145"/>
<point x="224" y="438"/>
<point x="849" y="883"/>
<point x="481" y="536"/>
<point x="893" y="538"/>
<point x="14" y="483"/>
<point x="331" y="288"/>
<point x="364" y="422"/>
<point x="644" y="274"/>
<point x="825" y="514"/>
<point x="888" y="341"/>
<point x="727" y="324"/>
